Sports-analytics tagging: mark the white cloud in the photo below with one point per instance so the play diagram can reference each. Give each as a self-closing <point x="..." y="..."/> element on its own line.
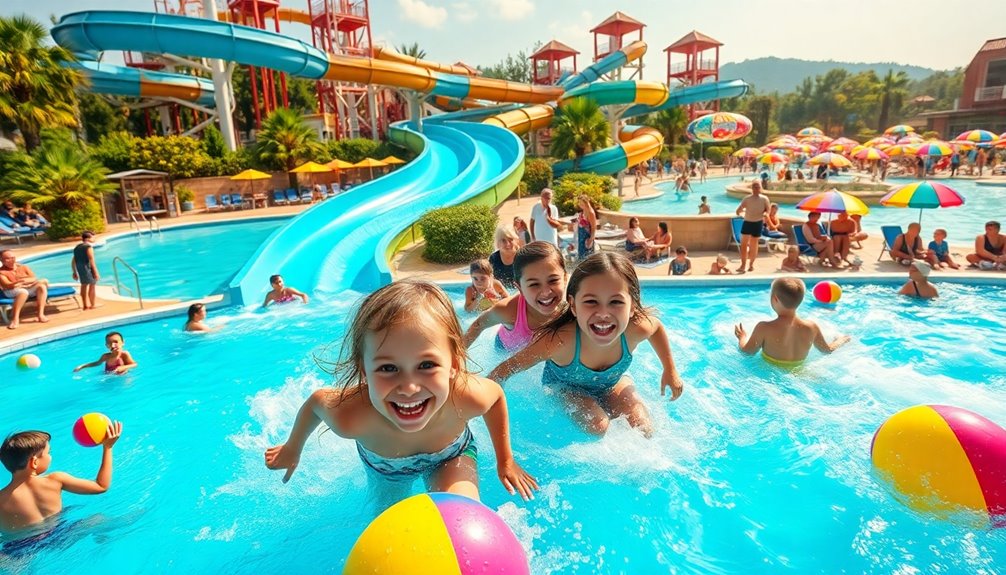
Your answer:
<point x="422" y="13"/>
<point x="464" y="12"/>
<point x="513" y="9"/>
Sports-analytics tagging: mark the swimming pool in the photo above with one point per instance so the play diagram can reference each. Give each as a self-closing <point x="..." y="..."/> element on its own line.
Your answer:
<point x="982" y="203"/>
<point x="183" y="262"/>
<point x="754" y="470"/>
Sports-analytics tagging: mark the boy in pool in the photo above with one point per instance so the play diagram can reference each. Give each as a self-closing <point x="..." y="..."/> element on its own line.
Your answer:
<point x="787" y="339"/>
<point x="117" y="360"/>
<point x="30" y="498"/>
<point x="281" y="293"/>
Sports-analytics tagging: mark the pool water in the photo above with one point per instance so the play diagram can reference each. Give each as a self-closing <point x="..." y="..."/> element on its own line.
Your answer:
<point x="753" y="471"/>
<point x="982" y="203"/>
<point x="180" y="263"/>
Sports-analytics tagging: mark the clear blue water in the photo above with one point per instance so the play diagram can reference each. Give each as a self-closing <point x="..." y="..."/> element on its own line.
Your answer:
<point x="753" y="471"/>
<point x="181" y="263"/>
<point x="982" y="203"/>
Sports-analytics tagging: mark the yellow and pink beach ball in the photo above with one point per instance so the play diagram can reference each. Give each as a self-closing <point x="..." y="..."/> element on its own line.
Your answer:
<point x="827" y="292"/>
<point x="437" y="534"/>
<point x="28" y="361"/>
<point x="90" y="429"/>
<point x="943" y="458"/>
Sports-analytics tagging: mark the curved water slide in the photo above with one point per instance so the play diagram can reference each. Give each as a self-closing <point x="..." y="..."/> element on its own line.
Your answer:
<point x="137" y="83"/>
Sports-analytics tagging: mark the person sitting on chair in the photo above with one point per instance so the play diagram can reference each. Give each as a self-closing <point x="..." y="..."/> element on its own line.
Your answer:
<point x="821" y="243"/>
<point x="908" y="246"/>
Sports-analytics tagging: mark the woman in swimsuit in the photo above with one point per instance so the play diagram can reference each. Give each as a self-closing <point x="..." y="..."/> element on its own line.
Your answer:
<point x="990" y="248"/>
<point x="588" y="348"/>
<point x="586" y="227"/>
<point x="918" y="284"/>
<point x="281" y="293"/>
<point x="541" y="295"/>
<point x="908" y="246"/>
<point x="405" y="397"/>
<point x="117" y="360"/>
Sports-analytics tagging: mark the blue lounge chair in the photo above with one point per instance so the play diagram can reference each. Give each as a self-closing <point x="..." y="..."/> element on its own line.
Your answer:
<point x="237" y="201"/>
<point x="292" y="196"/>
<point x="735" y="234"/>
<point x="890" y="233"/>
<point x="56" y="293"/>
<point x="16" y="233"/>
<point x="225" y="201"/>
<point x="278" y="198"/>
<point x="306" y="196"/>
<point x="806" y="250"/>
<point x="211" y="203"/>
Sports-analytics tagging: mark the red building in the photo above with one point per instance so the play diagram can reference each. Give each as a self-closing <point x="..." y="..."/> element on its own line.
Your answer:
<point x="983" y="99"/>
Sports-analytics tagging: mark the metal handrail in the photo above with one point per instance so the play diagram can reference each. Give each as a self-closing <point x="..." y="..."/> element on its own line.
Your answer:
<point x="138" y="294"/>
<point x="154" y="225"/>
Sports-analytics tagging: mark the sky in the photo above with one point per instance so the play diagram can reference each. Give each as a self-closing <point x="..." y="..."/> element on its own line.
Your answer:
<point x="939" y="34"/>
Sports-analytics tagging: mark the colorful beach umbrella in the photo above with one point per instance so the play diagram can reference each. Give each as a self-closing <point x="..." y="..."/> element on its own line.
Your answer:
<point x="899" y="130"/>
<point x="809" y="131"/>
<point x="873" y="142"/>
<point x="975" y="137"/>
<point x="718" y="127"/>
<point x="772" y="158"/>
<point x="934" y="148"/>
<point x="910" y="139"/>
<point x="923" y="195"/>
<point x="901" y="150"/>
<point x="870" y="154"/>
<point x="833" y="202"/>
<point x="830" y="159"/>
<point x="747" y="153"/>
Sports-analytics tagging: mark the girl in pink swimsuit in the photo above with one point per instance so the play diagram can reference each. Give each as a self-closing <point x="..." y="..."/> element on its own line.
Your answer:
<point x="541" y="282"/>
<point x="117" y="360"/>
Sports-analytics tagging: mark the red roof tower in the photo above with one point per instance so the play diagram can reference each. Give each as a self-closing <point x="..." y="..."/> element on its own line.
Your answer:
<point x="611" y="35"/>
<point x="698" y="66"/>
<point x="546" y="63"/>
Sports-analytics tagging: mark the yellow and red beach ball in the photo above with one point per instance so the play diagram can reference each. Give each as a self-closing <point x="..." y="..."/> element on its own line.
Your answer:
<point x="943" y="458"/>
<point x="90" y="429"/>
<point x="827" y="292"/>
<point x="437" y="534"/>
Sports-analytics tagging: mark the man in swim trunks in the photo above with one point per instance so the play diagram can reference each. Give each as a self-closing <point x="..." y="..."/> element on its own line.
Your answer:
<point x="753" y="209"/>
<point x="990" y="248"/>
<point x="19" y="283"/>
<point x="787" y="339"/>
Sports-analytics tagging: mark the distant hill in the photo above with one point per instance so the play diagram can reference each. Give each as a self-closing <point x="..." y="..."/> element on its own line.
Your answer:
<point x="784" y="74"/>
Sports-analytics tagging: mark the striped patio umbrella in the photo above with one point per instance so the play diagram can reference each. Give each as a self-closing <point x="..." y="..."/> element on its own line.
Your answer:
<point x="833" y="202"/>
<point x="870" y="154"/>
<point x="809" y="131"/>
<point x="839" y="147"/>
<point x="830" y="159"/>
<point x="975" y="138"/>
<point x="772" y="158"/>
<point x="923" y="195"/>
<point x="873" y="142"/>
<point x="901" y="150"/>
<point x="899" y="130"/>
<point x="934" y="148"/>
<point x="747" y="153"/>
<point x="910" y="139"/>
<point x="845" y="141"/>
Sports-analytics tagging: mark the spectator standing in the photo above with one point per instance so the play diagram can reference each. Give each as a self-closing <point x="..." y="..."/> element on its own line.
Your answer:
<point x="545" y="222"/>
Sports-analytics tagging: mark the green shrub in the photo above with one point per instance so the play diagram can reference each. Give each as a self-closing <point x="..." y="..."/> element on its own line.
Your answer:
<point x="180" y="156"/>
<point x="213" y="142"/>
<point x="113" y="150"/>
<point x="354" y="149"/>
<point x="458" y="234"/>
<point x="680" y="151"/>
<point x="537" y="175"/>
<point x="233" y="162"/>
<point x="67" y="223"/>
<point x="184" y="193"/>
<point x="715" y="154"/>
<point x="597" y="188"/>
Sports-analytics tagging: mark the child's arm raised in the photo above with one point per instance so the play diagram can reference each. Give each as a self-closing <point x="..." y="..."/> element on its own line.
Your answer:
<point x="104" y="479"/>
<point x="94" y="363"/>
<point x="540" y="349"/>
<point x="486" y="397"/>
<point x="287" y="456"/>
<point x="750" y="345"/>
<point x="822" y="344"/>
<point x="492" y="316"/>
<point x="662" y="346"/>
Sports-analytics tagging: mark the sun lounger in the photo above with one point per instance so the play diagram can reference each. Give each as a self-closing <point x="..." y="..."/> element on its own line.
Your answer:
<point x="278" y="198"/>
<point x="237" y="201"/>
<point x="807" y="251"/>
<point x="306" y="196"/>
<point x="292" y="196"/>
<point x="212" y="204"/>
<point x="890" y="233"/>
<point x="56" y="293"/>
<point x="225" y="201"/>
<point x="735" y="235"/>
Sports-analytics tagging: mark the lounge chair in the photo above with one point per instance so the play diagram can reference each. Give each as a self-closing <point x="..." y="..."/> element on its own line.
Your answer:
<point x="807" y="251"/>
<point x="292" y="196"/>
<point x="278" y="198"/>
<point x="56" y="293"/>
<point x="211" y="203"/>
<point x="735" y="235"/>
<point x="306" y="195"/>
<point x="238" y="201"/>
<point x="225" y="201"/>
<point x="890" y="234"/>
<point x="7" y="231"/>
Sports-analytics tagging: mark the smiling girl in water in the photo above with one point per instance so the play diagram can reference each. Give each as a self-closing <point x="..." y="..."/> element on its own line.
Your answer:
<point x="406" y="396"/>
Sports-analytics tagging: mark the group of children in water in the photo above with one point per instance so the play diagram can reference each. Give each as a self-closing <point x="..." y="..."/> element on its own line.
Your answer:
<point x="404" y="392"/>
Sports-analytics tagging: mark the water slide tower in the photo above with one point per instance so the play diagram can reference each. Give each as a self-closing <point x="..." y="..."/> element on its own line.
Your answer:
<point x="612" y="35"/>
<point x="699" y="67"/>
<point x="254" y="13"/>
<point x="546" y="64"/>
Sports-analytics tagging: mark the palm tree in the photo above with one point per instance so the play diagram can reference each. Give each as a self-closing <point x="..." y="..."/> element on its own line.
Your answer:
<point x="285" y="140"/>
<point x="892" y="96"/>
<point x="578" y="128"/>
<point x="670" y="122"/>
<point x="36" y="87"/>
<point x="412" y="50"/>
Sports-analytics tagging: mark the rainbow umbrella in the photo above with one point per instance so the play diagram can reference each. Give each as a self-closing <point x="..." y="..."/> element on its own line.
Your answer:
<point x="872" y="142"/>
<point x="975" y="137"/>
<point x="830" y="159"/>
<point x="833" y="202"/>
<point x="809" y="131"/>
<point x="923" y="195"/>
<point x="900" y="129"/>
<point x="838" y="147"/>
<point x="910" y="139"/>
<point x="871" y="154"/>
<point x="934" y="148"/>
<point x="845" y="141"/>
<point x="747" y="153"/>
<point x="772" y="158"/>
<point x="901" y="150"/>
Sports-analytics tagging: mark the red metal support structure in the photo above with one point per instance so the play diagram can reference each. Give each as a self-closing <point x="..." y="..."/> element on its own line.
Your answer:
<point x="266" y="95"/>
<point x="697" y="67"/>
<point x="546" y="63"/>
<point x="611" y="35"/>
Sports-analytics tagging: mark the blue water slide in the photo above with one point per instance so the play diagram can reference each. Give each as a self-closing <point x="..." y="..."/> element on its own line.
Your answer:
<point x="693" y="94"/>
<point x="594" y="72"/>
<point x="124" y="81"/>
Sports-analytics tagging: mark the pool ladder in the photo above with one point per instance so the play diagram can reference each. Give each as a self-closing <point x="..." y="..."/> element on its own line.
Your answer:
<point x="152" y="225"/>
<point x="119" y="287"/>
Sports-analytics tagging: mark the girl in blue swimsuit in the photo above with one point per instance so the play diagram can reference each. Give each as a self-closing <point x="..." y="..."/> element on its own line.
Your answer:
<point x="588" y="349"/>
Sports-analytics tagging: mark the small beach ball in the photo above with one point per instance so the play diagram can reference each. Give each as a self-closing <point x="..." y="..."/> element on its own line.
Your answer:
<point x="437" y="534"/>
<point x="28" y="361"/>
<point x="827" y="292"/>
<point x="943" y="458"/>
<point x="90" y="429"/>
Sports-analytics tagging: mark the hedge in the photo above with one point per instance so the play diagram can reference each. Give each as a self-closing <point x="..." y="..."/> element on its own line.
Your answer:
<point x="458" y="234"/>
<point x="715" y="154"/>
<point x="67" y="223"/>
<point x="537" y="175"/>
<point x="597" y="188"/>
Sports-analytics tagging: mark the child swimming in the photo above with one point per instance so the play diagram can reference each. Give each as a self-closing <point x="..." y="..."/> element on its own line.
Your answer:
<point x="485" y="289"/>
<point x="588" y="347"/>
<point x="787" y="339"/>
<point x="406" y="396"/>
<point x="197" y="318"/>
<point x="541" y="295"/>
<point x="281" y="293"/>
<point x="117" y="360"/>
